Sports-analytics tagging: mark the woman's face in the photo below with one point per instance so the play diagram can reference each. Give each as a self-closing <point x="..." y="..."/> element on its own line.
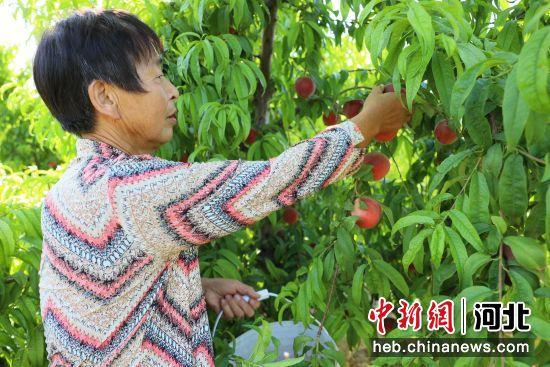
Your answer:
<point x="148" y="118"/>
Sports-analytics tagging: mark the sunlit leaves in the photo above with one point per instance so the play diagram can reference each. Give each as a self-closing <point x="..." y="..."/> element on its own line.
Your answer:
<point x="533" y="71"/>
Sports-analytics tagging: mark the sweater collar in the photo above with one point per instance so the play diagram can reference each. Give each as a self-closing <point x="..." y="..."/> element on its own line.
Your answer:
<point x="85" y="147"/>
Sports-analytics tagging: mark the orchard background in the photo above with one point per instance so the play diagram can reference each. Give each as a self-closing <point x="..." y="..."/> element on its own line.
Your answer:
<point x="469" y="218"/>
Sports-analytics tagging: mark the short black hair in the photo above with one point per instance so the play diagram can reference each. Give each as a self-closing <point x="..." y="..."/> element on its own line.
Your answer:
<point x="90" y="44"/>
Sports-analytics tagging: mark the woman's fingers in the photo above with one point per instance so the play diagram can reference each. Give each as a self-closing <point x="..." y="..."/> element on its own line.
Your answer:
<point x="248" y="290"/>
<point x="236" y="307"/>
<point x="227" y="311"/>
<point x="237" y="310"/>
<point x="245" y="306"/>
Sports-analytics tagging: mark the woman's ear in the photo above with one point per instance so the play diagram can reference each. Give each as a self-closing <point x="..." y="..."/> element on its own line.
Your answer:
<point x="104" y="99"/>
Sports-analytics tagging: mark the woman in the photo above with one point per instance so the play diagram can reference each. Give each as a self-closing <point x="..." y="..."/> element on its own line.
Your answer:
<point x="119" y="278"/>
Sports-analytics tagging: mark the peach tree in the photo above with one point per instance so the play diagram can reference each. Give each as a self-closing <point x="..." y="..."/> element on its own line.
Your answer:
<point x="464" y="207"/>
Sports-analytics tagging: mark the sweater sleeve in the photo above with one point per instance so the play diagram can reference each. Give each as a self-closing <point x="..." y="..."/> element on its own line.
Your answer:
<point x="184" y="204"/>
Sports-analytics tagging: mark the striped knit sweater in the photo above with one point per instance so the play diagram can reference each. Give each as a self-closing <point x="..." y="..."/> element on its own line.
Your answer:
<point x="119" y="275"/>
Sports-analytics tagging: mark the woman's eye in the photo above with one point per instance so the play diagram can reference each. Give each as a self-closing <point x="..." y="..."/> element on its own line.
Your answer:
<point x="160" y="76"/>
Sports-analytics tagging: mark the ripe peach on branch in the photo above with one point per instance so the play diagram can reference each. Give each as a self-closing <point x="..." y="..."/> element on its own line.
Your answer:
<point x="305" y="87"/>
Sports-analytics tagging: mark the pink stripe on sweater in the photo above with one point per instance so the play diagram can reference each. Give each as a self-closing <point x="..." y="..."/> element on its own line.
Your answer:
<point x="230" y="209"/>
<point x="121" y="346"/>
<point x="98" y="242"/>
<point x="86" y="281"/>
<point x="202" y="351"/>
<point x="339" y="168"/>
<point x="173" y="314"/>
<point x="175" y="214"/>
<point x="158" y="351"/>
<point x="93" y="342"/>
<point x="188" y="267"/>
<point x="73" y="330"/>
<point x="286" y="195"/>
<point x="196" y="311"/>
<point x="58" y="360"/>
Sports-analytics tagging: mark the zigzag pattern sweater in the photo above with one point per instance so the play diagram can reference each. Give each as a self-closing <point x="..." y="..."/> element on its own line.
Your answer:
<point x="119" y="275"/>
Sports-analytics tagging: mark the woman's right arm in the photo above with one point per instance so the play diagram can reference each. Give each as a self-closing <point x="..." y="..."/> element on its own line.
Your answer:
<point x="183" y="204"/>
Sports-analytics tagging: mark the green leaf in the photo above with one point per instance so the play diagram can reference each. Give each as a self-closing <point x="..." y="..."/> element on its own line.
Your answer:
<point x="466" y="229"/>
<point x="458" y="252"/>
<point x="476" y="293"/>
<point x="421" y="23"/>
<point x="528" y="252"/>
<point x="234" y="44"/>
<point x="309" y="39"/>
<point x="416" y="66"/>
<point x="499" y="223"/>
<point x="531" y="22"/>
<point x="470" y="54"/>
<point x="367" y="10"/>
<point x="508" y="38"/>
<point x="36" y="346"/>
<point x="533" y="71"/>
<point x="444" y="79"/>
<point x="475" y="262"/>
<point x="543" y="292"/>
<point x="539" y="327"/>
<point x="522" y="291"/>
<point x="344" y="248"/>
<point x="439" y="198"/>
<point x="415" y="245"/>
<point x="453" y="160"/>
<point x="410" y="220"/>
<point x="222" y="51"/>
<point x="208" y="54"/>
<point x="7" y="241"/>
<point x="512" y="187"/>
<point x="462" y="88"/>
<point x="250" y="77"/>
<point x="357" y="284"/>
<point x="479" y="199"/>
<point x="259" y="75"/>
<point x="515" y="111"/>
<point x="492" y="161"/>
<point x="393" y="275"/>
<point x="448" y="43"/>
<point x="475" y="122"/>
<point x="437" y="245"/>
<point x="226" y="269"/>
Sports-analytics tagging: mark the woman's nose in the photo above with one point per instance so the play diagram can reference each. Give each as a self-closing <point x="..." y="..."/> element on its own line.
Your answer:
<point x="174" y="93"/>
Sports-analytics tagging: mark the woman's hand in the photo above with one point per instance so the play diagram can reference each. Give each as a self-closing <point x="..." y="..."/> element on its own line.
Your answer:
<point x="382" y="112"/>
<point x="226" y="294"/>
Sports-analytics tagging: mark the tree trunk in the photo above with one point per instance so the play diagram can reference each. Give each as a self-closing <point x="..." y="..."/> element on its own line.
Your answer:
<point x="262" y="96"/>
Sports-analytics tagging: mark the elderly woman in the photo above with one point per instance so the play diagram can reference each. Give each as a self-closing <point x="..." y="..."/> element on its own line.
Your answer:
<point x="119" y="277"/>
